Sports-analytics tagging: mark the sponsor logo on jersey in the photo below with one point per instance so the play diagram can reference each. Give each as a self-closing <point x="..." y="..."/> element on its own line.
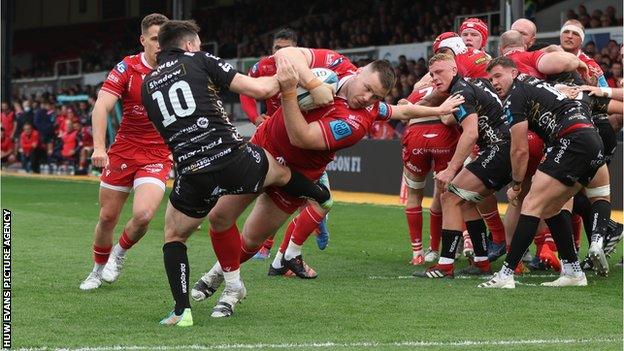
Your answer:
<point x="340" y="129"/>
<point x="154" y="167"/>
<point x="202" y="122"/>
<point x="384" y="110"/>
<point x="121" y="67"/>
<point x="113" y="77"/>
<point x="480" y="60"/>
<point x="462" y="112"/>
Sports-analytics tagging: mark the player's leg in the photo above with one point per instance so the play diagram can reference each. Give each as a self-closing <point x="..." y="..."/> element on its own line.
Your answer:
<point x="462" y="186"/>
<point x="111" y="203"/>
<point x="149" y="178"/>
<point x="322" y="237"/>
<point x="413" y="212"/>
<point x="465" y="187"/>
<point x="306" y="221"/>
<point x="489" y="211"/>
<point x="293" y="182"/>
<point x="147" y="198"/>
<point x="435" y="227"/>
<point x="599" y="193"/>
<point x="178" y="227"/>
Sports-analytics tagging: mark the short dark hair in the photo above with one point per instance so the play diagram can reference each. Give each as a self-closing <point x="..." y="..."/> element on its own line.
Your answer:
<point x="287" y="34"/>
<point x="173" y="33"/>
<point x="153" y="19"/>
<point x="387" y="76"/>
<point x="501" y="61"/>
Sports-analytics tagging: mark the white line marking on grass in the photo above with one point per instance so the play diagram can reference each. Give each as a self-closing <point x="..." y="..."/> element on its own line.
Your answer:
<point x="481" y="277"/>
<point x="330" y="345"/>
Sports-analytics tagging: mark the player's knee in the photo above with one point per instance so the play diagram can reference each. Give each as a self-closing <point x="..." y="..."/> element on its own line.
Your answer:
<point x="142" y="216"/>
<point x="108" y="218"/>
<point x="219" y="220"/>
<point x="449" y="199"/>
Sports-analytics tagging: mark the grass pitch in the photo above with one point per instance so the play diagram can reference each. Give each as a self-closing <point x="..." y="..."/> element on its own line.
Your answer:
<point x="363" y="299"/>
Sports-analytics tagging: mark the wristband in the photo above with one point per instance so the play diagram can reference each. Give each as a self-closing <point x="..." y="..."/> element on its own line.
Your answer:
<point x="289" y="95"/>
<point x="515" y="183"/>
<point x="313" y="84"/>
<point x="607" y="91"/>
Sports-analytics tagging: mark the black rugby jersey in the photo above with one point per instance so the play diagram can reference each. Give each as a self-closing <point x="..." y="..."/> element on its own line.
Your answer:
<point x="182" y="100"/>
<point x="481" y="99"/>
<point x="548" y="111"/>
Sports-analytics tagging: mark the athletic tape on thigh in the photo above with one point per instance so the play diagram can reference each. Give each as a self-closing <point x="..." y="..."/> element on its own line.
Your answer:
<point x="604" y="190"/>
<point x="466" y="194"/>
<point x="467" y="160"/>
<point x="414" y="184"/>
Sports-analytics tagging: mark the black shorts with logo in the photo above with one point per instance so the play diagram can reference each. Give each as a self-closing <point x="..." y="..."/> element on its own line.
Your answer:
<point x="196" y="194"/>
<point x="575" y="157"/>
<point x="493" y="166"/>
<point x="607" y="134"/>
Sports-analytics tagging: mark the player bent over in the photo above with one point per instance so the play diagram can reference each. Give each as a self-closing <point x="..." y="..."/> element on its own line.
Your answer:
<point x="211" y="158"/>
<point x="482" y="121"/>
<point x="573" y="158"/>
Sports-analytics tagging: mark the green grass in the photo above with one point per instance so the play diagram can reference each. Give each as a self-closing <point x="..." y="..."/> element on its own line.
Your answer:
<point x="53" y="225"/>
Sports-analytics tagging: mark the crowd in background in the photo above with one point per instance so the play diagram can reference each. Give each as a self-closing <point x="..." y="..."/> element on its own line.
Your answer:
<point x="45" y="136"/>
<point x="244" y="29"/>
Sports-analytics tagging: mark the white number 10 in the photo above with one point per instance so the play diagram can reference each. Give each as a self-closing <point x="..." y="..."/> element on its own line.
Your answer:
<point x="178" y="109"/>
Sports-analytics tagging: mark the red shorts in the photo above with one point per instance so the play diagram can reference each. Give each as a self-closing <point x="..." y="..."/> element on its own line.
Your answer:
<point x="427" y="143"/>
<point x="130" y="166"/>
<point x="536" y="153"/>
<point x="287" y="203"/>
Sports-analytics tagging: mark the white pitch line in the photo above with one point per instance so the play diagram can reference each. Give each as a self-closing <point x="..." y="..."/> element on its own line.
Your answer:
<point x="330" y="345"/>
<point x="482" y="277"/>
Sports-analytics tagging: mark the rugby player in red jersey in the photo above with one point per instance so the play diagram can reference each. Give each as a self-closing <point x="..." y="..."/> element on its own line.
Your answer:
<point x="266" y="67"/>
<point x="474" y="32"/>
<point x="307" y="142"/>
<point x="138" y="160"/>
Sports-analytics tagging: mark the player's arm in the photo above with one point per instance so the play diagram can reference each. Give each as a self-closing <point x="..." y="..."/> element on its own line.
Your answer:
<point x="300" y="58"/>
<point x="260" y="88"/>
<point x="409" y="111"/>
<point x="250" y="108"/>
<point x="519" y="151"/>
<point x="300" y="133"/>
<point x="466" y="142"/>
<point x="558" y="62"/>
<point x="103" y="106"/>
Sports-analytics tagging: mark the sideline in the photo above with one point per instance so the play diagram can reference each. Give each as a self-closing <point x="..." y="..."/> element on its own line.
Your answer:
<point x="340" y="196"/>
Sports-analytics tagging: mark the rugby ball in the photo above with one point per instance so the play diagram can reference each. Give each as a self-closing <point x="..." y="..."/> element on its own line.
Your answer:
<point x="304" y="98"/>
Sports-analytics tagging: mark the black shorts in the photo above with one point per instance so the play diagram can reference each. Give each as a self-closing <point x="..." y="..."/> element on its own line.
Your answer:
<point x="492" y="166"/>
<point x="196" y="194"/>
<point x="575" y="157"/>
<point x="607" y="134"/>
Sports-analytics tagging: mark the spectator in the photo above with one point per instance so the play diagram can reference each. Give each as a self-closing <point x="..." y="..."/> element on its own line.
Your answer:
<point x="86" y="136"/>
<point x="8" y="121"/>
<point x="23" y="115"/>
<point x="29" y="143"/>
<point x="71" y="145"/>
<point x="615" y="75"/>
<point x="44" y="124"/>
<point x="7" y="149"/>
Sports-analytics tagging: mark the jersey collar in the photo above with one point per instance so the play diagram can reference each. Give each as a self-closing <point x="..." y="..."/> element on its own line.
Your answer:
<point x="144" y="61"/>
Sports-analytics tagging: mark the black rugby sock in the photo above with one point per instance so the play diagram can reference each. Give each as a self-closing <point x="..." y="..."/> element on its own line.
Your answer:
<point x="601" y="214"/>
<point x="522" y="238"/>
<point x="478" y="231"/>
<point x="300" y="186"/>
<point x="561" y="230"/>
<point x="178" y="270"/>
<point x="450" y="242"/>
<point x="583" y="208"/>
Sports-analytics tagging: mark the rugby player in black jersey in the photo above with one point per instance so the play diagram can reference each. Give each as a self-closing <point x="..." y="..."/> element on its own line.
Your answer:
<point x="212" y="159"/>
<point x="574" y="158"/>
<point x="482" y="121"/>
